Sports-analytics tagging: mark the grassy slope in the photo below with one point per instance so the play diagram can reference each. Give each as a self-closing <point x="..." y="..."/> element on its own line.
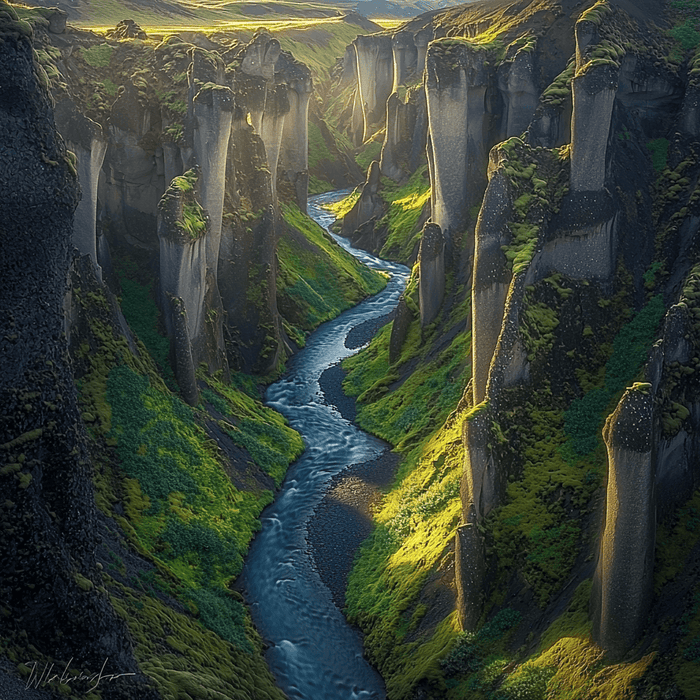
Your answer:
<point x="541" y="532"/>
<point x="316" y="279"/>
<point x="404" y="206"/>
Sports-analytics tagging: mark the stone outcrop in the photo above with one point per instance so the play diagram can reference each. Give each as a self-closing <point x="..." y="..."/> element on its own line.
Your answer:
<point x="265" y="101"/>
<point x="518" y="89"/>
<point x="126" y="29"/>
<point x="457" y="78"/>
<point x="593" y="98"/>
<point x="399" y="330"/>
<point x="405" y="58"/>
<point x="183" y="228"/>
<point x="406" y="134"/>
<point x="247" y="263"/>
<point x="491" y="280"/>
<point x="212" y="107"/>
<point x="623" y="586"/>
<point x="85" y="139"/>
<point x="375" y="76"/>
<point x="368" y="206"/>
<point x="133" y="183"/>
<point x="294" y="155"/>
<point x="431" y="263"/>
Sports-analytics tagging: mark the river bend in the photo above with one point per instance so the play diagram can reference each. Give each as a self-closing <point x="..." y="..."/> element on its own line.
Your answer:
<point x="314" y="654"/>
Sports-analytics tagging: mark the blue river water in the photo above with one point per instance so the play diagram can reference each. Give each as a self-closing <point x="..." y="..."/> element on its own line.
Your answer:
<point x="314" y="654"/>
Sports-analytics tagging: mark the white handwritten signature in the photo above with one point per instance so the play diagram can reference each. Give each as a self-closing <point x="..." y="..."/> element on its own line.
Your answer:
<point x="47" y="675"/>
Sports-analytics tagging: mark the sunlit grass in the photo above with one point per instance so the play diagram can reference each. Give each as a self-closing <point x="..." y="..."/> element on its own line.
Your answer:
<point x="389" y="22"/>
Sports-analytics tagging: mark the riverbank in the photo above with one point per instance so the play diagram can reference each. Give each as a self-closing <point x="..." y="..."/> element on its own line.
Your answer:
<point x="343" y="519"/>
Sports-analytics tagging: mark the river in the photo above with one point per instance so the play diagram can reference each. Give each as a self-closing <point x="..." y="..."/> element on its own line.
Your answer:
<point x="314" y="654"/>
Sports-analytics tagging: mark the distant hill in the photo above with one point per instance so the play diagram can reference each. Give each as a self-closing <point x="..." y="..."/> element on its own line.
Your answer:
<point x="206" y="12"/>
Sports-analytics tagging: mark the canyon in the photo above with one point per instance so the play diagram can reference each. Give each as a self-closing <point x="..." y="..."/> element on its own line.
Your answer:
<point x="534" y="164"/>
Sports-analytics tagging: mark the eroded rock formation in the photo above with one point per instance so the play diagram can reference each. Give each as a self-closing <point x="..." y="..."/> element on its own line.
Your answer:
<point x="431" y="263"/>
<point x="368" y="206"/>
<point x="624" y="577"/>
<point x="48" y="540"/>
<point x="375" y="78"/>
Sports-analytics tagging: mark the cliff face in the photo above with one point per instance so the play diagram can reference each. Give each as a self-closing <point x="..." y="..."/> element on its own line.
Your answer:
<point x="48" y="540"/>
<point x="187" y="106"/>
<point x="572" y="129"/>
<point x="586" y="234"/>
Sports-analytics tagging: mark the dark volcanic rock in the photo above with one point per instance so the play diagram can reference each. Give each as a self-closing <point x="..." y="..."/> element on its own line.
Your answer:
<point x="127" y="29"/>
<point x="47" y="514"/>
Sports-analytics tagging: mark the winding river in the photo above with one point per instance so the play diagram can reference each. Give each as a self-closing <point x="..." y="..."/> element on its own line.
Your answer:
<point x="314" y="654"/>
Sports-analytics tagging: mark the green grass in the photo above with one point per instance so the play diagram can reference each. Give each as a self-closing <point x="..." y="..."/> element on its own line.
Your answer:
<point x="318" y="149"/>
<point x="179" y="510"/>
<point x="317" y="279"/>
<point x="143" y="317"/>
<point x="420" y="513"/>
<point x="630" y="347"/>
<point x="180" y="655"/>
<point x="184" y="506"/>
<point x="320" y="45"/>
<point x="420" y="406"/>
<point x="98" y="56"/>
<point x="370" y="151"/>
<point x="405" y="206"/>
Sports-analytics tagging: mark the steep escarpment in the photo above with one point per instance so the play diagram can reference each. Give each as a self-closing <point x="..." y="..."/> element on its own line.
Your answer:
<point x="571" y="446"/>
<point x="48" y="540"/>
<point x="138" y="458"/>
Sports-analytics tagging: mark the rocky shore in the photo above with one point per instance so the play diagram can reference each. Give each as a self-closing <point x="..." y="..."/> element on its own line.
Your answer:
<point x="343" y="519"/>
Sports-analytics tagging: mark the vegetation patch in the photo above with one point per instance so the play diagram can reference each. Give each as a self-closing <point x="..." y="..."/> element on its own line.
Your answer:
<point x="181" y="656"/>
<point x="142" y="315"/>
<point x="630" y="348"/>
<point x="406" y="204"/>
<point x="370" y="151"/>
<point x="98" y="56"/>
<point x="317" y="279"/>
<point x="539" y="179"/>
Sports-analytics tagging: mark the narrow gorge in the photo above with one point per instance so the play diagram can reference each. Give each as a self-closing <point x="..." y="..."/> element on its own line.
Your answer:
<point x="509" y="286"/>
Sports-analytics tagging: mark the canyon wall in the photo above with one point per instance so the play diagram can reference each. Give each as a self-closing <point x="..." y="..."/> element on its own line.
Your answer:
<point x="238" y="114"/>
<point x="48" y="539"/>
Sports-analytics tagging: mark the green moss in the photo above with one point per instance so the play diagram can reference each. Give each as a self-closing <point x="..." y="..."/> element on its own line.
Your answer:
<point x="560" y="89"/>
<point x="318" y="149"/>
<point x="675" y="538"/>
<point x="630" y="347"/>
<point x="532" y="531"/>
<point x="659" y="153"/>
<point x="319" y="186"/>
<point x="143" y="317"/>
<point x="371" y="150"/>
<point x="539" y="180"/>
<point x="97" y="56"/>
<point x="317" y="279"/>
<point x="181" y="656"/>
<point x="406" y="204"/>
